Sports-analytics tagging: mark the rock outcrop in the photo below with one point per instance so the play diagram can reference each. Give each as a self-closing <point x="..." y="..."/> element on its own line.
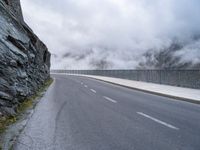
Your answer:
<point x="24" y="59"/>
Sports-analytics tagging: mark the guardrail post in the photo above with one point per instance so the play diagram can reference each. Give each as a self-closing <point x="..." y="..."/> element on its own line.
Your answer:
<point x="160" y="76"/>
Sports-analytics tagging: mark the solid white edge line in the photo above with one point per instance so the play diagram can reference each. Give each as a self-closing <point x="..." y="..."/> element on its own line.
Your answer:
<point x="158" y="121"/>
<point x="110" y="99"/>
<point x="93" y="90"/>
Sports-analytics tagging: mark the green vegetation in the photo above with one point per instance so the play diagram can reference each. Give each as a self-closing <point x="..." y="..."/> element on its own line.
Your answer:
<point x="5" y="121"/>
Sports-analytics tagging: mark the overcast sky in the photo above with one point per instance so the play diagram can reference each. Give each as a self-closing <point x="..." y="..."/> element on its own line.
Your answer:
<point x="118" y="31"/>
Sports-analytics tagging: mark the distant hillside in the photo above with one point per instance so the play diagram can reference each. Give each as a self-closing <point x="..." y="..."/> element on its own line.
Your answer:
<point x="178" y="55"/>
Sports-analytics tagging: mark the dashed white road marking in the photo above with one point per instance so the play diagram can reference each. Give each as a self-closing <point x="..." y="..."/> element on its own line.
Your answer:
<point x="85" y="86"/>
<point x="82" y="83"/>
<point x="158" y="121"/>
<point x="110" y="99"/>
<point x="93" y="90"/>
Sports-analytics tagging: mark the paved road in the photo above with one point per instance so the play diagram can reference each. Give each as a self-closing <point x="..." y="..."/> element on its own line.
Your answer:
<point x="79" y="113"/>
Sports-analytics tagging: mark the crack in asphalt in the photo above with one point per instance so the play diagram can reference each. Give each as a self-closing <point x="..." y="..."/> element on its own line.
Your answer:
<point x="56" y="121"/>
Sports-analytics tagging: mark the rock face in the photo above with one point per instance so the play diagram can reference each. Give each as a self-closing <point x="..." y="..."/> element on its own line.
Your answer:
<point x="24" y="59"/>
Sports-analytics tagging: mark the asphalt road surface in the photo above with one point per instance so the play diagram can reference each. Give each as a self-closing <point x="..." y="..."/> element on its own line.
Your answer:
<point x="78" y="113"/>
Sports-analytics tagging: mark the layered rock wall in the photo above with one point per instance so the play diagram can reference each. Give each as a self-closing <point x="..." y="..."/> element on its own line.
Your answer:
<point x="24" y="58"/>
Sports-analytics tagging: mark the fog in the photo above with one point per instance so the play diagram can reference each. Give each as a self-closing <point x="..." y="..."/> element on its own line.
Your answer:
<point x="91" y="34"/>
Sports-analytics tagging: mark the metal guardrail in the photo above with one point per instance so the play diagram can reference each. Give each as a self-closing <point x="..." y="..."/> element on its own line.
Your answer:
<point x="181" y="78"/>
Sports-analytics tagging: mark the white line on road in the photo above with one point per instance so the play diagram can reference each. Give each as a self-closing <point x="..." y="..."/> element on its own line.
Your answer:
<point x="158" y="121"/>
<point x="85" y="86"/>
<point x="110" y="99"/>
<point x="93" y="91"/>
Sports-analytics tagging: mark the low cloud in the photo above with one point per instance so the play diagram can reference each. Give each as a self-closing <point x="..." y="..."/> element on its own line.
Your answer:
<point x="113" y="33"/>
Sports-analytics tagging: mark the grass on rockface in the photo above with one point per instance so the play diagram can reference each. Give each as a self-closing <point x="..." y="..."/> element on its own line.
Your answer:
<point x="5" y="121"/>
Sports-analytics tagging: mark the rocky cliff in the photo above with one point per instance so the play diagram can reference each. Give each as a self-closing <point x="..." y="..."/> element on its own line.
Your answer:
<point x="24" y="59"/>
